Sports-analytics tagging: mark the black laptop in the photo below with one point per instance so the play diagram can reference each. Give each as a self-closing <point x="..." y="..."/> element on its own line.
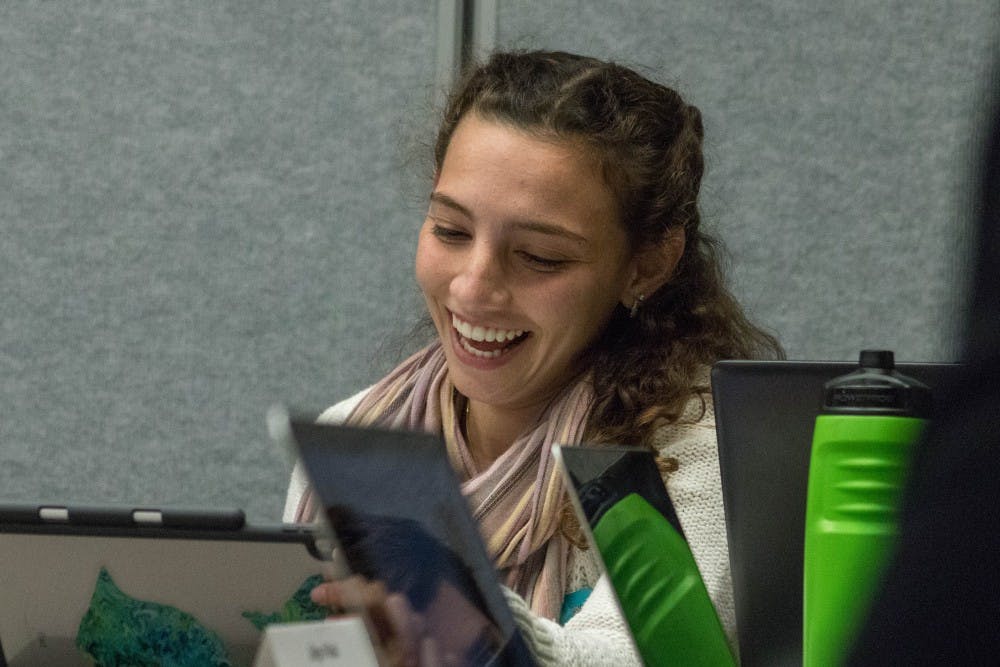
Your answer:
<point x="765" y="412"/>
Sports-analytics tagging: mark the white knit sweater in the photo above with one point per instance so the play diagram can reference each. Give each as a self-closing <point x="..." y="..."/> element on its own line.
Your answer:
<point x="598" y="635"/>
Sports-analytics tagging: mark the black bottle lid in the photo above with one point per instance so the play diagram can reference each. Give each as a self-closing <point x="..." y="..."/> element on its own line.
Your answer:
<point x="877" y="388"/>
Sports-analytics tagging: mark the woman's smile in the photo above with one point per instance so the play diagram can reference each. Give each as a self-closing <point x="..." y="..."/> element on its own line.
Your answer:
<point x="485" y="342"/>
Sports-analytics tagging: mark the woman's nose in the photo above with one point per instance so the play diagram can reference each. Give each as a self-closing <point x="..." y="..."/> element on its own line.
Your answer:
<point x="482" y="278"/>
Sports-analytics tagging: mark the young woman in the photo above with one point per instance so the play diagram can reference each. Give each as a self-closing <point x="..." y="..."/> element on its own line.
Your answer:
<point x="576" y="299"/>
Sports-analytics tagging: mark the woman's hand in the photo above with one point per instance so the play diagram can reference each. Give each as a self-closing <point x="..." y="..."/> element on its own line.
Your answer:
<point x="398" y="630"/>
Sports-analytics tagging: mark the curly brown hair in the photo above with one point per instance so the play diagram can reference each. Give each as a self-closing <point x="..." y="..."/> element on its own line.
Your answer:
<point x="648" y="143"/>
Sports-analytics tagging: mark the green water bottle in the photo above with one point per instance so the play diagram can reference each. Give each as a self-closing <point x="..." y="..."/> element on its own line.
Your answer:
<point x="661" y="592"/>
<point x="860" y="458"/>
<point x="641" y="542"/>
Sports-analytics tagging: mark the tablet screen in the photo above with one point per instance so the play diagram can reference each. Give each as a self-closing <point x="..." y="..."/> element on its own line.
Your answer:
<point x="399" y="517"/>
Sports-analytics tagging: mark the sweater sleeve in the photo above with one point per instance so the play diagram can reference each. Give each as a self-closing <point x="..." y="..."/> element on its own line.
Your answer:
<point x="696" y="491"/>
<point x="597" y="636"/>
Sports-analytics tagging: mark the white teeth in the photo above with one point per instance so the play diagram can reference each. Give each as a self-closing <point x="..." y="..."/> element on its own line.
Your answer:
<point x="481" y="334"/>
<point x="492" y="354"/>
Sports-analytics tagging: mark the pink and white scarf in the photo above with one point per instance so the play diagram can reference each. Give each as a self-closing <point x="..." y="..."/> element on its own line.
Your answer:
<point x="518" y="500"/>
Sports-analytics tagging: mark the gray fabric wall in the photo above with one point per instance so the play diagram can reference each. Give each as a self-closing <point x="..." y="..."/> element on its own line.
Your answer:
<point x="204" y="212"/>
<point x="210" y="207"/>
<point x="838" y="145"/>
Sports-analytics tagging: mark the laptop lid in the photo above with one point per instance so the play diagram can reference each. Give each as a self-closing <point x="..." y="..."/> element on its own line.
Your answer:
<point x="765" y="412"/>
<point x="140" y="585"/>
<point x="397" y="515"/>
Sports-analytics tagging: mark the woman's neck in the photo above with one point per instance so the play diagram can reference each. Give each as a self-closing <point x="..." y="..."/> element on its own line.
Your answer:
<point x="491" y="431"/>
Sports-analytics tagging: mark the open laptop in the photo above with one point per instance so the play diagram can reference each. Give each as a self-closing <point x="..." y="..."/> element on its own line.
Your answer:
<point x="765" y="412"/>
<point x="122" y="585"/>
<point x="397" y="515"/>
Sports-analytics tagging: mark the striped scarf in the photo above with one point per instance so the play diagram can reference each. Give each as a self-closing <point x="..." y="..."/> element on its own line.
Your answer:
<point x="518" y="500"/>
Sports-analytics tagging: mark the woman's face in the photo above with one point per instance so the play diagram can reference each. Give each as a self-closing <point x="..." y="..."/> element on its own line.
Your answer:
<point x="521" y="260"/>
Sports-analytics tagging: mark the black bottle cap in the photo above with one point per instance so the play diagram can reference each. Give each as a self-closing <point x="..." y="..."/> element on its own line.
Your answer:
<point x="877" y="388"/>
<point x="883" y="359"/>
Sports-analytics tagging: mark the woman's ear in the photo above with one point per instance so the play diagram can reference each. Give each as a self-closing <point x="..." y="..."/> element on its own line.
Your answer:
<point x="653" y="266"/>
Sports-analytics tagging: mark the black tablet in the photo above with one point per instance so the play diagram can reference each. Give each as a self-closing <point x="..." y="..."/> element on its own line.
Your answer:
<point x="398" y="516"/>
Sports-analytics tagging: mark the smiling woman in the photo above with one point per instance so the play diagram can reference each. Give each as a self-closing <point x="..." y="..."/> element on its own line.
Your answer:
<point x="575" y="299"/>
<point x="548" y="258"/>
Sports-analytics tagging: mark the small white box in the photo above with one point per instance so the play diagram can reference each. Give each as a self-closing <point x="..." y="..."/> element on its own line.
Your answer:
<point x="335" y="642"/>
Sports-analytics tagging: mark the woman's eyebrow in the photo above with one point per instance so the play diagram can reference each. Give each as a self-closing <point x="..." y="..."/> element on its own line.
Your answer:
<point x="445" y="200"/>
<point x="526" y="225"/>
<point x="550" y="229"/>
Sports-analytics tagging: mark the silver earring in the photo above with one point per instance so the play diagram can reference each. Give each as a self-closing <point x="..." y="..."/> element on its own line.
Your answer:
<point x="634" y="310"/>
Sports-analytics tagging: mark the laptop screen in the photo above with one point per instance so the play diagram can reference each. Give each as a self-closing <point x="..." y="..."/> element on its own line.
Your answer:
<point x="91" y="586"/>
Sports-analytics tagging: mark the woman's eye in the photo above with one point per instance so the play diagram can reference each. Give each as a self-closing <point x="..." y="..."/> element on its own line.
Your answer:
<point x="449" y="234"/>
<point x="542" y="263"/>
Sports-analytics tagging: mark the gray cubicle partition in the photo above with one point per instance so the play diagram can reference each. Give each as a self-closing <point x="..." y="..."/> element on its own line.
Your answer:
<point x="840" y="140"/>
<point x="207" y="207"/>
